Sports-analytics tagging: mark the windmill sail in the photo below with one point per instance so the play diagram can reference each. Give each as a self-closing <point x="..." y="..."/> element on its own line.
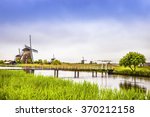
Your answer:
<point x="27" y="47"/>
<point x="35" y="50"/>
<point x="31" y="48"/>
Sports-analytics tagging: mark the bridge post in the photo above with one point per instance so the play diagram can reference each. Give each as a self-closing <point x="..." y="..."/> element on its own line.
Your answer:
<point x="56" y="72"/>
<point x="76" y="74"/>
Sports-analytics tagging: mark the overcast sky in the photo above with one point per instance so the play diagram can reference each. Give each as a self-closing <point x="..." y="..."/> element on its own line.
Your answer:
<point x="72" y="29"/>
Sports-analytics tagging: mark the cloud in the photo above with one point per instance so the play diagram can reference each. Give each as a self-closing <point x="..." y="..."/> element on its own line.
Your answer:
<point x="98" y="39"/>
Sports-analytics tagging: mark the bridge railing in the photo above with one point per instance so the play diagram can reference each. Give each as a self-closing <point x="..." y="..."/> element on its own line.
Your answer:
<point x="68" y="67"/>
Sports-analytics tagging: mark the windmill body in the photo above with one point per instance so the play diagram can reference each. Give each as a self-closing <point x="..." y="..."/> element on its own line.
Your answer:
<point x="83" y="60"/>
<point x="27" y="54"/>
<point x="18" y="57"/>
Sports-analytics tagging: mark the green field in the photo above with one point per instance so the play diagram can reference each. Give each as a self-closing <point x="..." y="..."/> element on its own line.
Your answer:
<point x="18" y="85"/>
<point x="140" y="71"/>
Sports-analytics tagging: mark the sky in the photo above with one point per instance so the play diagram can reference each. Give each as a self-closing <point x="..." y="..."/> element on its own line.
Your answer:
<point x="72" y="29"/>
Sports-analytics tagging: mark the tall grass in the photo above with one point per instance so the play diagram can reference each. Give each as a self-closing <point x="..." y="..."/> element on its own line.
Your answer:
<point x="17" y="85"/>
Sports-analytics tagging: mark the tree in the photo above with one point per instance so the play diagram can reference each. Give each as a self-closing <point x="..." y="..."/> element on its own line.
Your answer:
<point x="45" y="61"/>
<point x="40" y="61"/>
<point x="56" y="62"/>
<point x="1" y="62"/>
<point x="132" y="60"/>
<point x="29" y="60"/>
<point x="18" y="60"/>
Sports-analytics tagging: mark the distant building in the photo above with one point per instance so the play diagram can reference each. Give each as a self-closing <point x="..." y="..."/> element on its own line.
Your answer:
<point x="9" y="62"/>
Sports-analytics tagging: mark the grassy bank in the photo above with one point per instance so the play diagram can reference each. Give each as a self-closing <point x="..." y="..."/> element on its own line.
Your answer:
<point x="141" y="71"/>
<point x="17" y="85"/>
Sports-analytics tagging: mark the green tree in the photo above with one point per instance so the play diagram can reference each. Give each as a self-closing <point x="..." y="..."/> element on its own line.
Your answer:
<point x="1" y="62"/>
<point x="29" y="60"/>
<point x="40" y="61"/>
<point x="132" y="60"/>
<point x="56" y="62"/>
<point x="45" y="61"/>
<point x="18" y="60"/>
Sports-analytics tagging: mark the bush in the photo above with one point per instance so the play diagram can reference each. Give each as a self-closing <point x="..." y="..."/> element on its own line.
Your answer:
<point x="56" y="62"/>
<point x="1" y="62"/>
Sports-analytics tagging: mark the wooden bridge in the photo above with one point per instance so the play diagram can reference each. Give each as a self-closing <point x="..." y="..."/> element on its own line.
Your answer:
<point x="94" y="69"/>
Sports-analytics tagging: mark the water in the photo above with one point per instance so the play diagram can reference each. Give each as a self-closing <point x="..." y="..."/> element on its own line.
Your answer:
<point x="103" y="80"/>
<point x="12" y="68"/>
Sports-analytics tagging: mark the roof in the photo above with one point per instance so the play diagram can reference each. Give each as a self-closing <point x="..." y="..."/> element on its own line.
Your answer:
<point x="26" y="49"/>
<point x="18" y="55"/>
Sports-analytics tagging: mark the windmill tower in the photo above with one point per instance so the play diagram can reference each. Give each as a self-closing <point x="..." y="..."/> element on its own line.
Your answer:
<point x="27" y="55"/>
<point x="83" y="60"/>
<point x="52" y="59"/>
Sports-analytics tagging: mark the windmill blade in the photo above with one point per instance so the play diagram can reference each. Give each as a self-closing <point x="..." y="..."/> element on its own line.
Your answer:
<point x="27" y="47"/>
<point x="35" y="50"/>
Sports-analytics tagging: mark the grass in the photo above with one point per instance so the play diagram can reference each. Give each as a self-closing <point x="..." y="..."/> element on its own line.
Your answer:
<point x="140" y="71"/>
<point x="18" y="85"/>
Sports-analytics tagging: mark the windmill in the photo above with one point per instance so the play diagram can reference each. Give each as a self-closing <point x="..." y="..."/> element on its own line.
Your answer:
<point x="18" y="57"/>
<point x="83" y="60"/>
<point x="52" y="59"/>
<point x="27" y="55"/>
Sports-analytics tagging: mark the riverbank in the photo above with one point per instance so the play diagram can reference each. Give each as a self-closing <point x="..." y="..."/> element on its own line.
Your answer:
<point x="141" y="71"/>
<point x="18" y="85"/>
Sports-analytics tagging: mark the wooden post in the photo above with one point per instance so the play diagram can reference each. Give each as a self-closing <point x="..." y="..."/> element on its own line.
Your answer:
<point x="78" y="74"/>
<point x="96" y="74"/>
<point x="75" y="74"/>
<point x="57" y="73"/>
<point x="54" y="73"/>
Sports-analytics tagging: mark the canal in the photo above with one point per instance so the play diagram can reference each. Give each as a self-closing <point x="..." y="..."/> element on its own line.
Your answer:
<point x="103" y="80"/>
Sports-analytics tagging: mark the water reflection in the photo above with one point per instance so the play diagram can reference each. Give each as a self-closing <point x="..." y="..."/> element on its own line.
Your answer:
<point x="31" y="71"/>
<point x="104" y="75"/>
<point x="129" y="85"/>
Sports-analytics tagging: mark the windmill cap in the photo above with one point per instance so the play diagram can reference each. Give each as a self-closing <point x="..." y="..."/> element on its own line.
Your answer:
<point x="26" y="49"/>
<point x="18" y="55"/>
